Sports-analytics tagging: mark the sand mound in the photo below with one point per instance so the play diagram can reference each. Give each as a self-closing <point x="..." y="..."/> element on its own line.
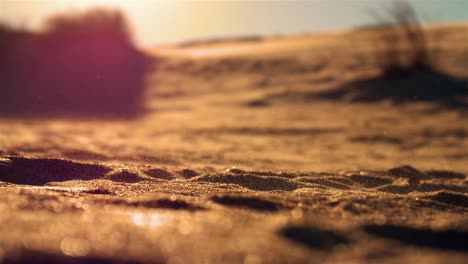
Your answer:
<point x="22" y="170"/>
<point x="417" y="85"/>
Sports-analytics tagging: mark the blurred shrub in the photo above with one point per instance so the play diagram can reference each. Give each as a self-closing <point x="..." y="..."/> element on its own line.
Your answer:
<point x="82" y="64"/>
<point x="407" y="66"/>
<point x="402" y="41"/>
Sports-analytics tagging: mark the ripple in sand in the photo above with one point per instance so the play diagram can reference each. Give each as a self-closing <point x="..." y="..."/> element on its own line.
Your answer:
<point x="370" y="181"/>
<point x="188" y="173"/>
<point x="252" y="182"/>
<point x="124" y="176"/>
<point x="160" y="174"/>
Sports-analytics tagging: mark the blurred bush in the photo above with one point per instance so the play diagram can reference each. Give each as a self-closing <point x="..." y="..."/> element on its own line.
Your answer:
<point x="402" y="55"/>
<point x="83" y="64"/>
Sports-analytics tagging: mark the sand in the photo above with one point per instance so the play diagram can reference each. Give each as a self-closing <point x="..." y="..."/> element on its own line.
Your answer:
<point x="260" y="151"/>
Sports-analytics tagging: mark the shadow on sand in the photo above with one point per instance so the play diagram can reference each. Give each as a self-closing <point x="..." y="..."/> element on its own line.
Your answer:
<point x="437" y="239"/>
<point x="82" y="65"/>
<point x="424" y="84"/>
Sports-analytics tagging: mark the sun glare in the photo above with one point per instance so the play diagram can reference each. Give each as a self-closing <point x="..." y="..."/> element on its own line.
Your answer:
<point x="32" y="14"/>
<point x="89" y="3"/>
<point x="134" y="8"/>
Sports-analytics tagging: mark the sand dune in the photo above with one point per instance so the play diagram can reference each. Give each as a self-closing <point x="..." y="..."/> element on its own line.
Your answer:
<point x="271" y="151"/>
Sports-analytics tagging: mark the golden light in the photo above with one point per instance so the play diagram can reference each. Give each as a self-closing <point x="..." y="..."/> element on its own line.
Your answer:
<point x="131" y="8"/>
<point x="92" y="3"/>
<point x="143" y="15"/>
<point x="150" y="220"/>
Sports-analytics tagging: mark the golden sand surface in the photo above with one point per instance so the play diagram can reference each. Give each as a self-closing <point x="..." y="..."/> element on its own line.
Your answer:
<point x="242" y="156"/>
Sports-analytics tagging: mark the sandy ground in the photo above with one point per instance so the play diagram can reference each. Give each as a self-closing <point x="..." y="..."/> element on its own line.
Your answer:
<point x="236" y="160"/>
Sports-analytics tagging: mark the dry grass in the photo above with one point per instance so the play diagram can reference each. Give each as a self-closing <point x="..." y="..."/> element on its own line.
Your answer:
<point x="402" y="41"/>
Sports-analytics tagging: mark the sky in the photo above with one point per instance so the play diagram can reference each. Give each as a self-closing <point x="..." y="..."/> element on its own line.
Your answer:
<point x="168" y="21"/>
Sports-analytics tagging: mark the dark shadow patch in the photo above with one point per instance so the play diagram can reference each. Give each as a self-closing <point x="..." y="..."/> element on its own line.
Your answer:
<point x="427" y="203"/>
<point x="160" y="174"/>
<point x="124" y="176"/>
<point x="36" y="256"/>
<point x="406" y="172"/>
<point x="324" y="79"/>
<point x="450" y="198"/>
<point x="369" y="181"/>
<point x="257" y="103"/>
<point x="252" y="182"/>
<point x="314" y="238"/>
<point x="423" y="84"/>
<point x="40" y="171"/>
<point x="443" y="174"/>
<point x="456" y="133"/>
<point x="377" y="139"/>
<point x="270" y="131"/>
<point x="82" y="65"/>
<point x="188" y="173"/>
<point x="422" y="237"/>
<point x="217" y="40"/>
<point x="98" y="191"/>
<point x="247" y="202"/>
<point x="163" y="203"/>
